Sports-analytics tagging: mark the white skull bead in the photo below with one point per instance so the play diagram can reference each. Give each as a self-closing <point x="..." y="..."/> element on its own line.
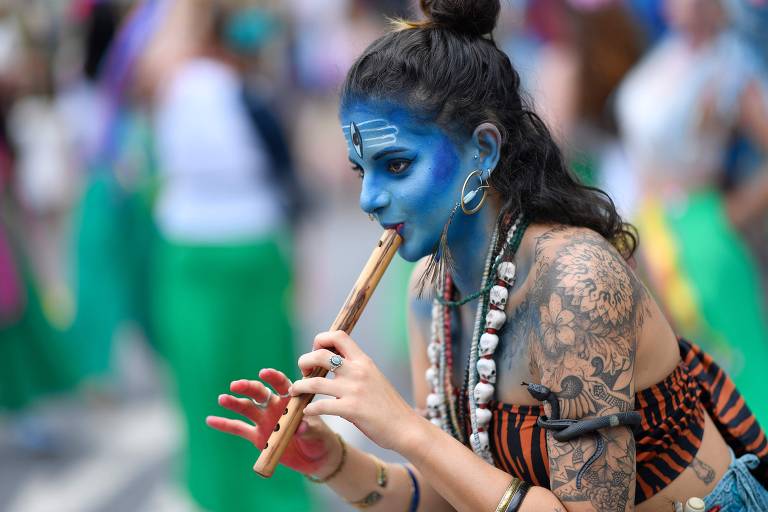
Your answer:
<point x="432" y="376"/>
<point x="506" y="272"/>
<point x="488" y="344"/>
<point x="495" y="319"/>
<point x="487" y="369"/>
<point x="438" y="422"/>
<point x="433" y="405"/>
<point x="483" y="441"/>
<point x="499" y="296"/>
<point x="483" y="417"/>
<point x="483" y="392"/>
<point x="433" y="351"/>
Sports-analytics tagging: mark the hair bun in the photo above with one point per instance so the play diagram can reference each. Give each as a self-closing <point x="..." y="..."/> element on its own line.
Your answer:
<point x="471" y="16"/>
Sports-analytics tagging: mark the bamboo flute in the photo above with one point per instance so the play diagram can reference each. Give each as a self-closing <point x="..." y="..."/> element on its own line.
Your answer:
<point x="345" y="321"/>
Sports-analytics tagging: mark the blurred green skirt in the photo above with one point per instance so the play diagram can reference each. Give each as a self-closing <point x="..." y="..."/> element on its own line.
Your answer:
<point x="709" y="284"/>
<point x="113" y="233"/>
<point x="36" y="359"/>
<point x="222" y="313"/>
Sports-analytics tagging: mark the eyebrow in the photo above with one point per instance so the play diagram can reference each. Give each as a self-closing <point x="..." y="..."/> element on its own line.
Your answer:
<point x="385" y="152"/>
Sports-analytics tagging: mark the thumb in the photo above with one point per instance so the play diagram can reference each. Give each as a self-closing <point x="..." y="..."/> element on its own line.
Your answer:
<point x="312" y="441"/>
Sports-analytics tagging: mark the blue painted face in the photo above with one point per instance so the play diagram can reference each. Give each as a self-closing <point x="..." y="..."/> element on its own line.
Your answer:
<point x="412" y="174"/>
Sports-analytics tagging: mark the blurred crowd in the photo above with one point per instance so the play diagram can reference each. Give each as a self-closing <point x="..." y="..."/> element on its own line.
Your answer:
<point x="169" y="170"/>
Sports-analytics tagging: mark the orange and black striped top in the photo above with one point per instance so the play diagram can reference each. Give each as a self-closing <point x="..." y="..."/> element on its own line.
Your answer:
<point x="667" y="439"/>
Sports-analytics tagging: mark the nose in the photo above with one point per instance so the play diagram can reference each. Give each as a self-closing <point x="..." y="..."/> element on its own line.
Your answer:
<point x="372" y="197"/>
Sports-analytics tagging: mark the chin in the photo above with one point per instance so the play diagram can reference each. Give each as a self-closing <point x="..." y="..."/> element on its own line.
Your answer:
<point x="411" y="250"/>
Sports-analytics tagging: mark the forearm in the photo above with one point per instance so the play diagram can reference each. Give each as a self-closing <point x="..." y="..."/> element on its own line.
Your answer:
<point x="358" y="475"/>
<point x="749" y="200"/>
<point x="466" y="481"/>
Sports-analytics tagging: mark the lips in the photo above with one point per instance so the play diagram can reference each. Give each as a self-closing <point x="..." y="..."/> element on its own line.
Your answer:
<point x="397" y="227"/>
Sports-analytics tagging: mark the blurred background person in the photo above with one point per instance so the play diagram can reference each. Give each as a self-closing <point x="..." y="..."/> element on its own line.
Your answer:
<point x="111" y="222"/>
<point x="582" y="51"/>
<point x="84" y="308"/>
<point x="222" y="274"/>
<point x="678" y="110"/>
<point x="36" y="191"/>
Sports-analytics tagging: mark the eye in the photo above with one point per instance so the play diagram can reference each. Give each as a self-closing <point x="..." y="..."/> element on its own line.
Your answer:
<point x="359" y="170"/>
<point x="357" y="139"/>
<point x="398" y="166"/>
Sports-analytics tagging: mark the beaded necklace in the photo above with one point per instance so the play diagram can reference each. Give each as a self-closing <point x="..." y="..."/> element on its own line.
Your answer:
<point x="480" y="377"/>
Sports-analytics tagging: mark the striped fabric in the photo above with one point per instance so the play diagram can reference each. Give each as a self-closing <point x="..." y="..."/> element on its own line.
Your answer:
<point x="668" y="437"/>
<point x="722" y="400"/>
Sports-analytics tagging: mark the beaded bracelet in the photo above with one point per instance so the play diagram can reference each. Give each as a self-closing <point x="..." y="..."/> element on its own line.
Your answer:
<point x="415" y="492"/>
<point x="336" y="471"/>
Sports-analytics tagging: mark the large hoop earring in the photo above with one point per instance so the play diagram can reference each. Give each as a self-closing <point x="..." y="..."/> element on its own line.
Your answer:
<point x="466" y="197"/>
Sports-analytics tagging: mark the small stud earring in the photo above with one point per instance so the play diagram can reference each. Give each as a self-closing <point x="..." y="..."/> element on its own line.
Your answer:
<point x="476" y="157"/>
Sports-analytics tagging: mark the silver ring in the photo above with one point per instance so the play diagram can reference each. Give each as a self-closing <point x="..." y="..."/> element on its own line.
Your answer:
<point x="265" y="403"/>
<point x="336" y="362"/>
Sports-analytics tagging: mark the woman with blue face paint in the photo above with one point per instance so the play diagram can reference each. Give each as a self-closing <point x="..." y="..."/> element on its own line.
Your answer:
<point x="531" y="284"/>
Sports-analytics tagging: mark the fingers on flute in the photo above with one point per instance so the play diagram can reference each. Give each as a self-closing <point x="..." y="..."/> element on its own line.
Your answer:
<point x="276" y="379"/>
<point x="317" y="358"/>
<point x="330" y="407"/>
<point x="338" y="341"/>
<point x="251" y="388"/>
<point x="241" y="406"/>
<point x="237" y="428"/>
<point x="316" y="386"/>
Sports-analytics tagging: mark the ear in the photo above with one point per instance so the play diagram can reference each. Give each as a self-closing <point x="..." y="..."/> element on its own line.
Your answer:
<point x="486" y="141"/>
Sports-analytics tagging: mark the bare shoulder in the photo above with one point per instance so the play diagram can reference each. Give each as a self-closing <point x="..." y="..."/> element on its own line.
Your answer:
<point x="591" y="306"/>
<point x="588" y="270"/>
<point x="587" y="311"/>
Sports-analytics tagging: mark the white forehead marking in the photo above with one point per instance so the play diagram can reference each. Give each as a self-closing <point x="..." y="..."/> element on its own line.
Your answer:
<point x="375" y="133"/>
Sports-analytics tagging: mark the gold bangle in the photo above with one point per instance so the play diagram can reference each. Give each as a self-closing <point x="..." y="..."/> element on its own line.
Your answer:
<point x="381" y="472"/>
<point x="514" y="484"/>
<point x="336" y="471"/>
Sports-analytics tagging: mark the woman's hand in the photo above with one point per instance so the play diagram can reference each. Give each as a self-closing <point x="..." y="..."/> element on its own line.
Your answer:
<point x="311" y="448"/>
<point x="363" y="395"/>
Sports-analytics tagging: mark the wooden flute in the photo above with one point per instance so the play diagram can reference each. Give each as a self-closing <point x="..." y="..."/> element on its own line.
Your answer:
<point x="345" y="321"/>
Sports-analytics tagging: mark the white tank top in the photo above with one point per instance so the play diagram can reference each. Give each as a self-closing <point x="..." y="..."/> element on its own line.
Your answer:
<point x="215" y="185"/>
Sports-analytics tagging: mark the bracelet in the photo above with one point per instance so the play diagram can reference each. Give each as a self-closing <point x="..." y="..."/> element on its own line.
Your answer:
<point x="518" y="497"/>
<point x="336" y="471"/>
<point x="506" y="498"/>
<point x="415" y="492"/>
<point x="373" y="497"/>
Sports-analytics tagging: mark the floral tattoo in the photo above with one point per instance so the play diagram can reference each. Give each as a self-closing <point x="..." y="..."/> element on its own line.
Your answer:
<point x="581" y="321"/>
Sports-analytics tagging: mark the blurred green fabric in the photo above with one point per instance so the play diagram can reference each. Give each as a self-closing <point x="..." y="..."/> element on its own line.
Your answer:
<point x="726" y="284"/>
<point x="223" y="312"/>
<point x="36" y="359"/>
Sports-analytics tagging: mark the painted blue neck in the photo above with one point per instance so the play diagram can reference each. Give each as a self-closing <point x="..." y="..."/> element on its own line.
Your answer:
<point x="469" y="247"/>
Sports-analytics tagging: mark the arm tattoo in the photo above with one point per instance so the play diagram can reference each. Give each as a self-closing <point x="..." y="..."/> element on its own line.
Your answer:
<point x="704" y="471"/>
<point x="584" y="313"/>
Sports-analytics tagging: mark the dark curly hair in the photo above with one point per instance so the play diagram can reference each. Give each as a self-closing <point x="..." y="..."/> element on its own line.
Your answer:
<point x="448" y="69"/>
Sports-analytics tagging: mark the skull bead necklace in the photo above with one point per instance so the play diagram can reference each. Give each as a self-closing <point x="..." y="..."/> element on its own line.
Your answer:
<point x="498" y="278"/>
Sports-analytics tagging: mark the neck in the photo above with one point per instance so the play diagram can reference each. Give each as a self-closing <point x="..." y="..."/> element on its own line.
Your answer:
<point x="472" y="240"/>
